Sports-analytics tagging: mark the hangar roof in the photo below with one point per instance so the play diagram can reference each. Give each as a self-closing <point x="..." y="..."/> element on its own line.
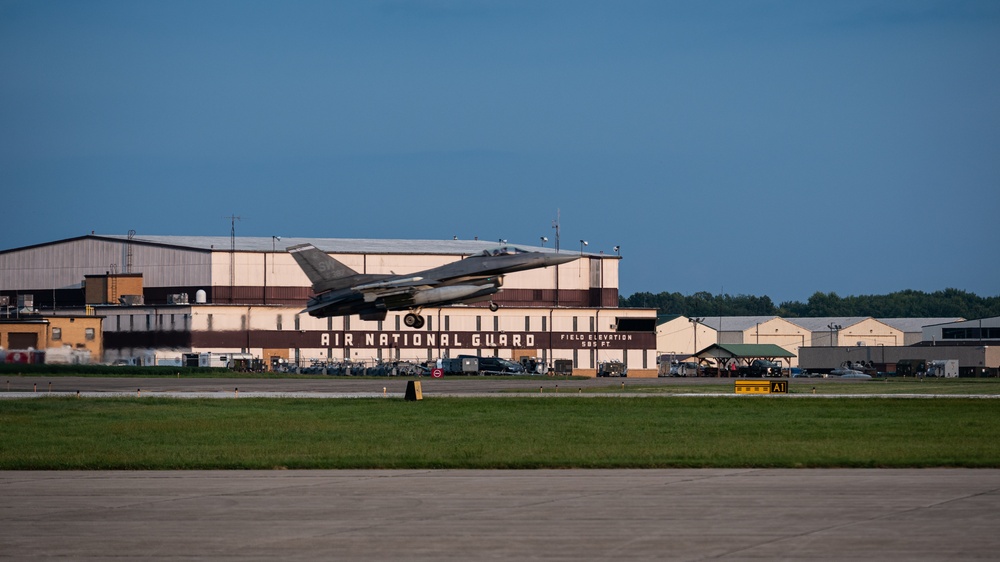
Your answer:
<point x="329" y="245"/>
<point x="735" y="323"/>
<point x="916" y="324"/>
<point x="823" y="323"/>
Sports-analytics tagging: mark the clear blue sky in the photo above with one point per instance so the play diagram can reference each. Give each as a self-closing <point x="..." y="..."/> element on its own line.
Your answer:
<point x="771" y="148"/>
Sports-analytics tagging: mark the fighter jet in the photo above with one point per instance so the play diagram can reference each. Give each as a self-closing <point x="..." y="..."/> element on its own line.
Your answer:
<point x="341" y="291"/>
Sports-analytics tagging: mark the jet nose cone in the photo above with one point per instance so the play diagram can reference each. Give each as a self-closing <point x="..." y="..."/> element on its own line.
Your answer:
<point x="556" y="259"/>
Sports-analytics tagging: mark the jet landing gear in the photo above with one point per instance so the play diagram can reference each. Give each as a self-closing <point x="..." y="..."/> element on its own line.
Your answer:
<point x="412" y="320"/>
<point x="416" y="321"/>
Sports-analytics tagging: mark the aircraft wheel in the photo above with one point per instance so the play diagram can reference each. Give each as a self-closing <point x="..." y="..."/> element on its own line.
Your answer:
<point x="411" y="320"/>
<point x="419" y="323"/>
<point x="494" y="306"/>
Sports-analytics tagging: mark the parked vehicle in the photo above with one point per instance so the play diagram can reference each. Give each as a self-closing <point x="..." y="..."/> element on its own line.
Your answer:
<point x="612" y="369"/>
<point x="533" y="365"/>
<point x="688" y="369"/>
<point x="491" y="365"/>
<point x="760" y="368"/>
<point x="562" y="367"/>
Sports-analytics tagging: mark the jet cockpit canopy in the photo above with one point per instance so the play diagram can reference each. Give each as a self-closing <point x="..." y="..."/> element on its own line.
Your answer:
<point x="503" y="251"/>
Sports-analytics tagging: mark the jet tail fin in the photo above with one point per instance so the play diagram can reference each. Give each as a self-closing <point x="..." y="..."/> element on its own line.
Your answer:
<point x="320" y="268"/>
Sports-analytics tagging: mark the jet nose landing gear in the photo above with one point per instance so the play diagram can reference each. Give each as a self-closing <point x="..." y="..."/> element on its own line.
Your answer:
<point x="412" y="320"/>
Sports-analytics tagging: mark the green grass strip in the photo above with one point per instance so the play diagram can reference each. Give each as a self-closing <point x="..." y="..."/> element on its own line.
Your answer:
<point x="520" y="433"/>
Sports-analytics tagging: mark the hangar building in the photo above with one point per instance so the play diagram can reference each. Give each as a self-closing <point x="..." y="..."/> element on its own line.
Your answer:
<point x="162" y="297"/>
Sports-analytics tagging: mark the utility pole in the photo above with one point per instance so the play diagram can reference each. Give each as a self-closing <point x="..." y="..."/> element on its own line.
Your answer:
<point x="232" y="255"/>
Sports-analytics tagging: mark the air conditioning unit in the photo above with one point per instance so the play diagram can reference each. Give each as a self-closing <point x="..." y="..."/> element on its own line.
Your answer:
<point x="177" y="298"/>
<point x="130" y="300"/>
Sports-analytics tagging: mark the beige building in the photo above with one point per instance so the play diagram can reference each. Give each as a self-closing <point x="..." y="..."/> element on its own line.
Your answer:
<point x="164" y="296"/>
<point x="849" y="331"/>
<point x="761" y="330"/>
<point x="679" y="337"/>
<point x="158" y="335"/>
<point x="675" y="335"/>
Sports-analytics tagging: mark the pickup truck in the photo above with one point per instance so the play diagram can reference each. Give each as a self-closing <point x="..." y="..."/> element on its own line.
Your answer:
<point x="760" y="368"/>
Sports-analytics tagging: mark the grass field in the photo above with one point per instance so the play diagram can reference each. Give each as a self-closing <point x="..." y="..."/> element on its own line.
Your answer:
<point x="568" y="432"/>
<point x="912" y="386"/>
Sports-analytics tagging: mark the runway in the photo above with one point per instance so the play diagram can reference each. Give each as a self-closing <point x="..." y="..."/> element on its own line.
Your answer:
<point x="14" y="387"/>
<point x="726" y="514"/>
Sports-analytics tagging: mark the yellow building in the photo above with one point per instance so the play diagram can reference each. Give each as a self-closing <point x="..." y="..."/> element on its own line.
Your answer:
<point x="54" y="334"/>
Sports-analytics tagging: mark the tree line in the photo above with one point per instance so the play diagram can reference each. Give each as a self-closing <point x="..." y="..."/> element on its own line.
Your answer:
<point x="901" y="304"/>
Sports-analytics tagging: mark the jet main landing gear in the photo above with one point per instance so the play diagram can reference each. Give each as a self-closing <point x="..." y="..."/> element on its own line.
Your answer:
<point x="416" y="321"/>
<point x="412" y="320"/>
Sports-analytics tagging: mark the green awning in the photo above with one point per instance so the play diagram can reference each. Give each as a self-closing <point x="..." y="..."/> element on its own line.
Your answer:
<point x="744" y="351"/>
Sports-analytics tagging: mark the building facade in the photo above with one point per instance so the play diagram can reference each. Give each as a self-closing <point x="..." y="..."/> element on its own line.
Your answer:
<point x="163" y="296"/>
<point x="66" y="338"/>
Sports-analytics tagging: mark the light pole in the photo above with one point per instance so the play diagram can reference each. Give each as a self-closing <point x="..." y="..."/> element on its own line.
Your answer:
<point x="582" y="244"/>
<point x="618" y="251"/>
<point x="544" y="240"/>
<point x="834" y="327"/>
<point x="696" y="321"/>
<point x="273" y="240"/>
<point x="273" y="251"/>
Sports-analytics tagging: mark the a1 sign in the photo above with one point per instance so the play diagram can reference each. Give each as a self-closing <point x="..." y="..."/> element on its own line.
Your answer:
<point x="437" y="373"/>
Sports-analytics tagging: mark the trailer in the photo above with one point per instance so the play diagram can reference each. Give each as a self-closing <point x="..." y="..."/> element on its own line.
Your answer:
<point x="223" y="360"/>
<point x="945" y="368"/>
<point x="612" y="368"/>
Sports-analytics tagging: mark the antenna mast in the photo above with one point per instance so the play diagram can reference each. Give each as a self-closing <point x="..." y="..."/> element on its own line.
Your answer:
<point x="555" y="225"/>
<point x="232" y="255"/>
<point x="128" y="252"/>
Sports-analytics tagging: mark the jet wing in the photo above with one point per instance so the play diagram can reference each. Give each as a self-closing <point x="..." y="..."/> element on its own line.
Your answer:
<point x="388" y="288"/>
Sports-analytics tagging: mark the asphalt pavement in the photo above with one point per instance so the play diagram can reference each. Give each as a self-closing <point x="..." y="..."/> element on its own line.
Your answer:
<point x="725" y="514"/>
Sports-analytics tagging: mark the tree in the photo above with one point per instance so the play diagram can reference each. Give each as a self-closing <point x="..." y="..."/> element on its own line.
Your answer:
<point x="949" y="303"/>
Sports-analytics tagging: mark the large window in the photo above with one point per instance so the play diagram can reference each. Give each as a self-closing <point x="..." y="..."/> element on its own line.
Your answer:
<point x="56" y="334"/>
<point x="973" y="333"/>
<point x="89" y="334"/>
<point x="636" y="325"/>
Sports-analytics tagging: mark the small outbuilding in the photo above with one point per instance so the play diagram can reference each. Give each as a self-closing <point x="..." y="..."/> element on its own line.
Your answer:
<point x="734" y="358"/>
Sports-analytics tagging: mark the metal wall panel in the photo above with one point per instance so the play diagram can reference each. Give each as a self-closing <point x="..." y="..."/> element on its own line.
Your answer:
<point x="63" y="265"/>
